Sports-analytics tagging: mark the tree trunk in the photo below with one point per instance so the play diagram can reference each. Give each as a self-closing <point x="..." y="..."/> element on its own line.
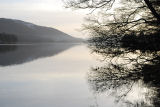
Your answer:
<point x="154" y="12"/>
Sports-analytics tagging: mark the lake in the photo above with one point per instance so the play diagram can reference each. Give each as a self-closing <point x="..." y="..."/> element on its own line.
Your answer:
<point x="56" y="75"/>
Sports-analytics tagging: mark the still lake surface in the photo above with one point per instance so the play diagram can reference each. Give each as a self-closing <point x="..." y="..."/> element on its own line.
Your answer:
<point x="53" y="75"/>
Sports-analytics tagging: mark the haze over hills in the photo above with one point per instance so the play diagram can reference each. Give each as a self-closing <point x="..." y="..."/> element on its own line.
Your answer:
<point x="31" y="33"/>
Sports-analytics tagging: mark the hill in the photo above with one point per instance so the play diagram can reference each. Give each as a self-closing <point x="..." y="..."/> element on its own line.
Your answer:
<point x="26" y="32"/>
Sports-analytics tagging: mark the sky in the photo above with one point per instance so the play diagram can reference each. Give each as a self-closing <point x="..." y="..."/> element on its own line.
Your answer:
<point x="50" y="13"/>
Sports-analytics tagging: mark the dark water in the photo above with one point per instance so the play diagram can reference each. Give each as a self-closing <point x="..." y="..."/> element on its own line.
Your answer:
<point x="69" y="75"/>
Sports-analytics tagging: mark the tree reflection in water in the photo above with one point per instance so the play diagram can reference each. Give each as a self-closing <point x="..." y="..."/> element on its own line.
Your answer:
<point x="126" y="70"/>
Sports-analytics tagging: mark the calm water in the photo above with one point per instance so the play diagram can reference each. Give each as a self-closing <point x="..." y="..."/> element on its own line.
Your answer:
<point x="55" y="75"/>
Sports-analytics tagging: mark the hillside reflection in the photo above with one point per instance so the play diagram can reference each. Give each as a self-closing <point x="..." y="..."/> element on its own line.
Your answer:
<point x="130" y="75"/>
<point x="18" y="54"/>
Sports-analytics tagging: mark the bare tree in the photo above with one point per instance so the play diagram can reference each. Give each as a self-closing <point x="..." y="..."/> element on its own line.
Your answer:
<point x="123" y="68"/>
<point x="120" y="16"/>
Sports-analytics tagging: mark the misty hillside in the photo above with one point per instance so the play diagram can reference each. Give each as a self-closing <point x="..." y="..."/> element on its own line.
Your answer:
<point x="28" y="32"/>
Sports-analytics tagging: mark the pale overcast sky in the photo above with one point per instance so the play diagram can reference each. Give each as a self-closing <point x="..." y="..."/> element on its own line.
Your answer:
<point x="49" y="13"/>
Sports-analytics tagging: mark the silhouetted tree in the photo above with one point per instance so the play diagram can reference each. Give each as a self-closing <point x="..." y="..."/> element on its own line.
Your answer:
<point x="126" y="34"/>
<point x="124" y="68"/>
<point x="8" y="38"/>
<point x="120" y="16"/>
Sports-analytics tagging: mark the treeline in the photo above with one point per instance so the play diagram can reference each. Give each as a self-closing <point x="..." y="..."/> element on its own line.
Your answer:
<point x="8" y="38"/>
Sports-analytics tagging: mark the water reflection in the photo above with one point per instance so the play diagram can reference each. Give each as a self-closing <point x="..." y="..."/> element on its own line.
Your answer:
<point x="54" y="81"/>
<point x="130" y="75"/>
<point x="18" y="54"/>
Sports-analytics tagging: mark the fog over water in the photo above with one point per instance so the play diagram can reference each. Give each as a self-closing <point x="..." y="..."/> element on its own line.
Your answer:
<point x="54" y="75"/>
<point x="46" y="78"/>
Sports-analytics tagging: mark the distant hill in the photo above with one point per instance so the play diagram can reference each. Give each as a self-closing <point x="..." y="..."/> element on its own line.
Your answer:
<point x="30" y="33"/>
